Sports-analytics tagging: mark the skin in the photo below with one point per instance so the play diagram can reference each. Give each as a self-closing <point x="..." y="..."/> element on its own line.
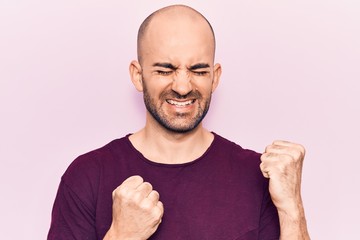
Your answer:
<point x="137" y="210"/>
<point x="176" y="66"/>
<point x="282" y="163"/>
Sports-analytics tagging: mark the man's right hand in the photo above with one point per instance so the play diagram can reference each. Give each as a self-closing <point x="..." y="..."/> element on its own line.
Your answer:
<point x="137" y="211"/>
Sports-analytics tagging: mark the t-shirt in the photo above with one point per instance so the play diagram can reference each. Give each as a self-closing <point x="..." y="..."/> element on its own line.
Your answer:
<point x="220" y="195"/>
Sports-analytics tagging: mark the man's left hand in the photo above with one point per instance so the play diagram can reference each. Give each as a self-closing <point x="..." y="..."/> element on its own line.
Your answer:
<point x="282" y="162"/>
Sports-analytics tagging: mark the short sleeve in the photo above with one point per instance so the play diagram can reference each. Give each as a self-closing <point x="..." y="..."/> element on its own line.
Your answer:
<point x="74" y="210"/>
<point x="269" y="227"/>
<point x="71" y="218"/>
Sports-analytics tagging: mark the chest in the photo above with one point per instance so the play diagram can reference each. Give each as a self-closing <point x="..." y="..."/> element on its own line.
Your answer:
<point x="206" y="205"/>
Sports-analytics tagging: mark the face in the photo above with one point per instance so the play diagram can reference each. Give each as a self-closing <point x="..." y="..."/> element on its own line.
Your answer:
<point x="177" y="74"/>
<point x="176" y="112"/>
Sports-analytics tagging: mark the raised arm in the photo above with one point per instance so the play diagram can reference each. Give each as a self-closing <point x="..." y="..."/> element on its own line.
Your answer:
<point x="282" y="162"/>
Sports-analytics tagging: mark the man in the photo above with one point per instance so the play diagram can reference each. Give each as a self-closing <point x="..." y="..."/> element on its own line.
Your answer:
<point x="174" y="179"/>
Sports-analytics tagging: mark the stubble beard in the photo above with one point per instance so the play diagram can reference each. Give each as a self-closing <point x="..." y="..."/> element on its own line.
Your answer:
<point x="170" y="123"/>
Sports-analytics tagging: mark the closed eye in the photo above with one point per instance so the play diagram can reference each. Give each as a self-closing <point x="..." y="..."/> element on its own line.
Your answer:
<point x="200" y="73"/>
<point x="163" y="73"/>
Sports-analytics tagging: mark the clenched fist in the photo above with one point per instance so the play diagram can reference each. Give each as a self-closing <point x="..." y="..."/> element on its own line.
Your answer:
<point x="282" y="162"/>
<point x="137" y="211"/>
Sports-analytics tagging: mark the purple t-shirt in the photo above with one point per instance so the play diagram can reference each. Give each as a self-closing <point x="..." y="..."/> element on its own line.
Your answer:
<point x="221" y="195"/>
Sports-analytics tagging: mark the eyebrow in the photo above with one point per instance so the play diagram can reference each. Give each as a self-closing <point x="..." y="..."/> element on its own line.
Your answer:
<point x="172" y="67"/>
<point x="165" y="65"/>
<point x="198" y="66"/>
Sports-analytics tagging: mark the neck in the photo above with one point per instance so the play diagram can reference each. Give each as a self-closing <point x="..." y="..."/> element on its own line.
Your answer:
<point x="163" y="146"/>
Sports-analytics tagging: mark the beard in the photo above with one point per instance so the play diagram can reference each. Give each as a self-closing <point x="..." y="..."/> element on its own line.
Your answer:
<point x="181" y="122"/>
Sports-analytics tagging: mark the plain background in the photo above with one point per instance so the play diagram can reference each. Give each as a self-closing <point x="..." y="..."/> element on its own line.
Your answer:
<point x="290" y="71"/>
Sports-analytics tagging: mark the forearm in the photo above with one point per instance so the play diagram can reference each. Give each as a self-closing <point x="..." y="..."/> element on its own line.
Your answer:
<point x="293" y="224"/>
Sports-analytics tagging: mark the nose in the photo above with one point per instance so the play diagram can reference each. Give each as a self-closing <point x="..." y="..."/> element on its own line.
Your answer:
<point x="182" y="83"/>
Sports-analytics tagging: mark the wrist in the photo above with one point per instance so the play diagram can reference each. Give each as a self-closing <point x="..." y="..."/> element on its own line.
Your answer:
<point x="293" y="223"/>
<point x="111" y="234"/>
<point x="292" y="212"/>
<point x="114" y="234"/>
<point x="292" y="208"/>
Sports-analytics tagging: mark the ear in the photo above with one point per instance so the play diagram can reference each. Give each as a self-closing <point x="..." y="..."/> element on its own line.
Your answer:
<point x="217" y="75"/>
<point x="136" y="75"/>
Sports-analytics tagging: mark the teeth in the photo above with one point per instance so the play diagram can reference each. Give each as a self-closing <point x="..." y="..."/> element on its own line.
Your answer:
<point x="180" y="104"/>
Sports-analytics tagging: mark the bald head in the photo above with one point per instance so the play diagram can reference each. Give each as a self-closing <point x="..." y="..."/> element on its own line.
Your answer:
<point x="178" y="16"/>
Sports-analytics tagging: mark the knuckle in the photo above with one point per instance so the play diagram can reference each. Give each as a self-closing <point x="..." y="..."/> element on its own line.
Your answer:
<point x="146" y="205"/>
<point x="160" y="206"/>
<point x="136" y="196"/>
<point x="136" y="178"/>
<point x="147" y="185"/>
<point x="265" y="156"/>
<point x="268" y="148"/>
<point x="262" y="166"/>
<point x="302" y="149"/>
<point x="133" y="181"/>
<point x="159" y="211"/>
<point x="121" y="197"/>
<point x="144" y="189"/>
<point x="118" y="192"/>
<point x="122" y="190"/>
<point x="279" y="142"/>
<point x="157" y="214"/>
<point x="155" y="194"/>
<point x="297" y="156"/>
<point x="271" y="155"/>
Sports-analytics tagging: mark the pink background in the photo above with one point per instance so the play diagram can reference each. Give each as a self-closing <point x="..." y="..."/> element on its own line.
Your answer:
<point x="290" y="71"/>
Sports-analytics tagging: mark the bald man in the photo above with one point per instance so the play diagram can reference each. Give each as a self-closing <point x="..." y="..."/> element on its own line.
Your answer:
<point x="174" y="179"/>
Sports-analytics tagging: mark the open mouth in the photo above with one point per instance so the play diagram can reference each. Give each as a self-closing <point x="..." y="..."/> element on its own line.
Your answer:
<point x="180" y="104"/>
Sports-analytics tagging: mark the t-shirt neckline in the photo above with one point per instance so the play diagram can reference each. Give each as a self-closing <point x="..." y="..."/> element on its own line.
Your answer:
<point x="170" y="165"/>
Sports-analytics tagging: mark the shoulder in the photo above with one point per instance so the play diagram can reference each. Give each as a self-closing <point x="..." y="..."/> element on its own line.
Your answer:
<point x="226" y="146"/>
<point x="87" y="168"/>
<point x="245" y="162"/>
<point x="93" y="158"/>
